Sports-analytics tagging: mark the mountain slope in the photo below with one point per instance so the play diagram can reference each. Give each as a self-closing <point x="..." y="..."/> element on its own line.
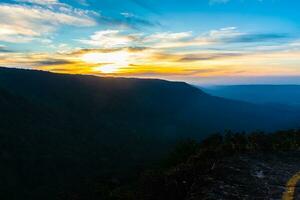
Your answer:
<point x="169" y="107"/>
<point x="262" y="94"/>
<point x="62" y="132"/>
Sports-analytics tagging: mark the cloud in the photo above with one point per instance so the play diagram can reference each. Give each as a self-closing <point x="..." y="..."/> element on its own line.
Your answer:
<point x="126" y="21"/>
<point x="218" y="1"/>
<point x="233" y="35"/>
<point x="176" y="40"/>
<point x="4" y="49"/>
<point x="208" y="56"/>
<point x="83" y="2"/>
<point x="227" y="35"/>
<point x="50" y="61"/>
<point x="40" y="2"/>
<point x="135" y="21"/>
<point x="257" y="37"/>
<point x="181" y="58"/>
<point x="109" y="39"/>
<point x="212" y="2"/>
<point x="152" y="62"/>
<point x="80" y="52"/>
<point x="168" y="36"/>
<point x="126" y="52"/>
<point x="223" y="33"/>
<point x="146" y="6"/>
<point x="152" y="71"/>
<point x="170" y="40"/>
<point x="24" y="23"/>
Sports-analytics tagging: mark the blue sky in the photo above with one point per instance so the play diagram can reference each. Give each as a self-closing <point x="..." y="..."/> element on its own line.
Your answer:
<point x="199" y="41"/>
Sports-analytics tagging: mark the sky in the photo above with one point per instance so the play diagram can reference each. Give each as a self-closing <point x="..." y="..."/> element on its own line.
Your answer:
<point x="197" y="41"/>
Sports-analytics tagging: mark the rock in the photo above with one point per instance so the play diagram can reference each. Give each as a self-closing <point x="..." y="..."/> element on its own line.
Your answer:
<point x="248" y="177"/>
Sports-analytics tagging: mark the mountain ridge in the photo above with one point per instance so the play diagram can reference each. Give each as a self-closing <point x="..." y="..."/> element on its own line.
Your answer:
<point x="145" y="94"/>
<point x="288" y="95"/>
<point x="57" y="131"/>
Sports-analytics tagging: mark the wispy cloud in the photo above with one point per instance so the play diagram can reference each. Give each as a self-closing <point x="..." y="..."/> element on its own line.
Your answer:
<point x="109" y="39"/>
<point x="233" y="35"/>
<point x="149" y="62"/>
<point x="23" y="23"/>
<point x="164" y="42"/>
<point x="51" y="61"/>
<point x="228" y="36"/>
<point x="168" y="37"/>
<point x="218" y="1"/>
<point x="208" y="56"/>
<point x="83" y="2"/>
<point x="40" y="2"/>
<point x="135" y="21"/>
<point x="4" y="49"/>
<point x="123" y="52"/>
<point x="212" y="2"/>
<point x="144" y="4"/>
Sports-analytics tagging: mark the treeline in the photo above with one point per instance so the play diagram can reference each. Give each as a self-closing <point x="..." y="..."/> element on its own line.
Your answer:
<point x="232" y="142"/>
<point x="89" y="180"/>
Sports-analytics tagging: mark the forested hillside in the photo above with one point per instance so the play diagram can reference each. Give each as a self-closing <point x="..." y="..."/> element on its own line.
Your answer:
<point x="61" y="135"/>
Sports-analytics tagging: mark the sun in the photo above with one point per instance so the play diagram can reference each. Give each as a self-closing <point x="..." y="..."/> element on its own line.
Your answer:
<point x="108" y="69"/>
<point x="111" y="61"/>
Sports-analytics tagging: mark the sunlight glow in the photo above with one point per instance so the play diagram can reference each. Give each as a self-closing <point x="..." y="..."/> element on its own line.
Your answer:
<point x="108" y="69"/>
<point x="119" y="57"/>
<point x="111" y="61"/>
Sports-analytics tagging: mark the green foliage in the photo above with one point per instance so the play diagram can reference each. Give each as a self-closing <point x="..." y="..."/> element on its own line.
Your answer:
<point x="231" y="143"/>
<point x="182" y="151"/>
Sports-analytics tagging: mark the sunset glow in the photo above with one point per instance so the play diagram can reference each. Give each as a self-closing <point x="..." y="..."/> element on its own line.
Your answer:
<point x="153" y="40"/>
<point x="115" y="57"/>
<point x="107" y="69"/>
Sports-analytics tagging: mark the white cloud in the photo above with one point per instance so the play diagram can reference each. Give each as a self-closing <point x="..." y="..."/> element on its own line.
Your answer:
<point x="167" y="39"/>
<point x="40" y="2"/>
<point x="127" y="14"/>
<point x="168" y="36"/>
<point x="109" y="39"/>
<point x="116" y="38"/>
<point x="175" y="40"/>
<point x="221" y="34"/>
<point x="23" y="23"/>
<point x="295" y="43"/>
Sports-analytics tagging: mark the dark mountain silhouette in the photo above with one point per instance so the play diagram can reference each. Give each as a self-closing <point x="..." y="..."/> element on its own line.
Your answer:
<point x="60" y="133"/>
<point x="262" y="94"/>
<point x="169" y="108"/>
